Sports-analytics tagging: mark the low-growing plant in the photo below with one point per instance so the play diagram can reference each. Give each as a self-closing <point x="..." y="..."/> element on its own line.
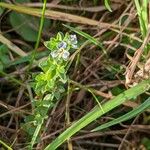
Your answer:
<point x="49" y="84"/>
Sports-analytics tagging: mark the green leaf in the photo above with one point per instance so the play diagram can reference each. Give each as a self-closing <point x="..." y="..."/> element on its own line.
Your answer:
<point x="47" y="97"/>
<point x="40" y="87"/>
<point x="26" y="59"/>
<point x="1" y="10"/>
<point x="1" y="67"/>
<point x="59" y="36"/>
<point x="22" y="1"/>
<point x="146" y="143"/>
<point x="127" y="116"/>
<point x="61" y="88"/>
<point x="4" y="57"/>
<point x="42" y="113"/>
<point x="27" y="26"/>
<point x="107" y="5"/>
<point x="47" y="65"/>
<point x="39" y="77"/>
<point x="29" y="118"/>
<point x="61" y="69"/>
<point x="50" y="85"/>
<point x="57" y="95"/>
<point x="51" y="45"/>
<point x="117" y="90"/>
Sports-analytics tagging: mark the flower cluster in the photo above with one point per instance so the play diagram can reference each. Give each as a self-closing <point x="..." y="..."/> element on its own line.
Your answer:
<point x="61" y="45"/>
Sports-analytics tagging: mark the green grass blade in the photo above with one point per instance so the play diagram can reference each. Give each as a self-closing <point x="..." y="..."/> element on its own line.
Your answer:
<point x="5" y="145"/>
<point x="11" y="46"/>
<point x="26" y="59"/>
<point x="96" y="99"/>
<point x="41" y="25"/>
<point x="87" y="36"/>
<point x="34" y="137"/>
<point x="137" y="4"/>
<point x="97" y="112"/>
<point x="9" y="77"/>
<point x="143" y="15"/>
<point x="125" y="117"/>
<point x="39" y="34"/>
<point x="107" y="5"/>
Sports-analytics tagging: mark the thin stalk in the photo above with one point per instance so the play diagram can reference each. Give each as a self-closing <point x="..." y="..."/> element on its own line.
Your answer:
<point x="39" y="34"/>
<point x="5" y="145"/>
<point x="12" y="78"/>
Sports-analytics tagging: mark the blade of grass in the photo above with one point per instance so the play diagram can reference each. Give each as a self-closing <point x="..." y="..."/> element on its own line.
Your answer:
<point x="39" y="35"/>
<point x="97" y="112"/>
<point x="143" y="15"/>
<point x="125" y="117"/>
<point x="34" y="137"/>
<point x="5" y="145"/>
<point x="87" y="36"/>
<point x="26" y="59"/>
<point x="107" y="5"/>
<point x="12" y="46"/>
<point x="11" y="78"/>
<point x="96" y="100"/>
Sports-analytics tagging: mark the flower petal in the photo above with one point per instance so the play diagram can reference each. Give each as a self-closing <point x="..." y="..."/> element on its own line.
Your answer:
<point x="62" y="45"/>
<point x="73" y="39"/>
<point x="65" y="55"/>
<point x="54" y="54"/>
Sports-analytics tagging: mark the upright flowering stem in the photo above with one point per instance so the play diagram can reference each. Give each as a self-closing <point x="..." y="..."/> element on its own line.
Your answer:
<point x="49" y="84"/>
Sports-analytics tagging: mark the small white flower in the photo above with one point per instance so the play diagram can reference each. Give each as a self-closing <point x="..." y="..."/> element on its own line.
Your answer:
<point x="62" y="45"/>
<point x="61" y="53"/>
<point x="73" y="39"/>
<point x="65" y="55"/>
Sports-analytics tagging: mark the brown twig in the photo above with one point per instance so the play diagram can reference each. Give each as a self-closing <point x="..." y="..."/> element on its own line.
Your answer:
<point x="132" y="66"/>
<point x="88" y="9"/>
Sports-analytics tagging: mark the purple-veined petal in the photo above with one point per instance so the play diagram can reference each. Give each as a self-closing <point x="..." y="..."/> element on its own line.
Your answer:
<point x="65" y="55"/>
<point x="62" y="45"/>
